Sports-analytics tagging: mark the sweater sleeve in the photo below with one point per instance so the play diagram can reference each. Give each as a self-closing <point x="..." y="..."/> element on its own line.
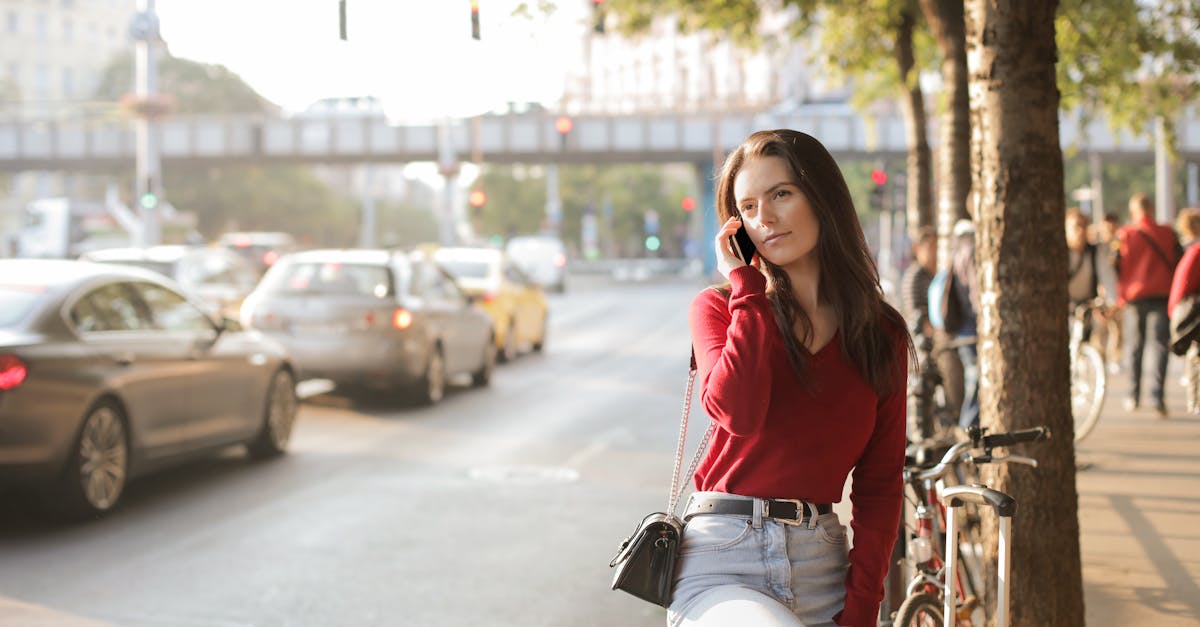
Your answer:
<point x="731" y="342"/>
<point x="876" y="497"/>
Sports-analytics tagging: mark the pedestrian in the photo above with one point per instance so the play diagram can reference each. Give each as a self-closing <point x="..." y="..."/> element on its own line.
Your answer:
<point x="966" y="293"/>
<point x="1145" y="264"/>
<point x="1187" y="225"/>
<point x="1083" y="277"/>
<point x="803" y="368"/>
<point x="1108" y="248"/>
<point x="914" y="284"/>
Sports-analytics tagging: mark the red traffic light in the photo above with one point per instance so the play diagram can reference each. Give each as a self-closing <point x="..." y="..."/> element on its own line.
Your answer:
<point x="688" y="203"/>
<point x="563" y="124"/>
<point x="477" y="198"/>
<point x="879" y="177"/>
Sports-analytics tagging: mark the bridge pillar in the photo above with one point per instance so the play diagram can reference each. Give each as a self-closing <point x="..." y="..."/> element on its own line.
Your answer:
<point x="708" y="215"/>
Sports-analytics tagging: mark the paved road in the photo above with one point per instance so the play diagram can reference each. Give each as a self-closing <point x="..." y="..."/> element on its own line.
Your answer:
<point x="499" y="507"/>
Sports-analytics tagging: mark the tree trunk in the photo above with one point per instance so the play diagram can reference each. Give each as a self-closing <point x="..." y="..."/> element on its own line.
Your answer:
<point x="1018" y="178"/>
<point x="912" y="104"/>
<point x="945" y="19"/>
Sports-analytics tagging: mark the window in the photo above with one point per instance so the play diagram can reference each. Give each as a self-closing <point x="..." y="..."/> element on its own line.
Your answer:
<point x="109" y="308"/>
<point x="68" y="31"/>
<point x="39" y="26"/>
<point x="68" y="83"/>
<point x="172" y="312"/>
<point x="14" y="22"/>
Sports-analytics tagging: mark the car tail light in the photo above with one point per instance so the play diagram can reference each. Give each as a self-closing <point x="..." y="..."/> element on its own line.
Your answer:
<point x="402" y="319"/>
<point x="270" y="257"/>
<point x="12" y="371"/>
<point x="489" y="297"/>
<point x="560" y="260"/>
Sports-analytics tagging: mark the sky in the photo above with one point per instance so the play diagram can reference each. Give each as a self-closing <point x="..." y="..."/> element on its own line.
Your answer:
<point x="417" y="56"/>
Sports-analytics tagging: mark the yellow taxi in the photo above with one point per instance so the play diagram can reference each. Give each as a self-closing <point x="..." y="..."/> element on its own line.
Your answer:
<point x="515" y="302"/>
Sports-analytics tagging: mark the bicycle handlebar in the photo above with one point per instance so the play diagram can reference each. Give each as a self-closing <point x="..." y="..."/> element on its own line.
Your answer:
<point x="1036" y="434"/>
<point x="986" y="442"/>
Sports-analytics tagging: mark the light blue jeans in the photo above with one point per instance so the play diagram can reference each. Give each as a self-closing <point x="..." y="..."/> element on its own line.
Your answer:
<point x="750" y="570"/>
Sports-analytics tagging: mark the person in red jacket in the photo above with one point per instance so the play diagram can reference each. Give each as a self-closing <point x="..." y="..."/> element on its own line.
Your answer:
<point x="1147" y="257"/>
<point x="803" y="369"/>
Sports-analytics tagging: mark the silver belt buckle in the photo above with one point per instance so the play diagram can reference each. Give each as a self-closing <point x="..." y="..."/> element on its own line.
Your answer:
<point x="795" y="522"/>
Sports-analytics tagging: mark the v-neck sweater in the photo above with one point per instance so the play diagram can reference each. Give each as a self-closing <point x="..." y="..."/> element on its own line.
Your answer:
<point x="778" y="437"/>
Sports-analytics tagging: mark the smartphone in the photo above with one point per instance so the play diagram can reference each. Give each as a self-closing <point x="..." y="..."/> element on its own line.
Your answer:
<point x="742" y="246"/>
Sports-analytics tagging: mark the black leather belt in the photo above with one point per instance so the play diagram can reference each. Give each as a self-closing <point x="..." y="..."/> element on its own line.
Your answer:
<point x="789" y="511"/>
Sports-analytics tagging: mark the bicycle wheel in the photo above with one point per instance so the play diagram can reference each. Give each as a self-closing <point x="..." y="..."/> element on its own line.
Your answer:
<point x="1088" y="383"/>
<point x="919" y="610"/>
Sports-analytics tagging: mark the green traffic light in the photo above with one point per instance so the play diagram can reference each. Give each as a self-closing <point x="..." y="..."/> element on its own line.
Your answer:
<point x="149" y="200"/>
<point x="652" y="243"/>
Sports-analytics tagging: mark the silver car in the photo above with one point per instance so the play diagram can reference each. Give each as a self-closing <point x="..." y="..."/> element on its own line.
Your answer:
<point x="108" y="372"/>
<point x="373" y="319"/>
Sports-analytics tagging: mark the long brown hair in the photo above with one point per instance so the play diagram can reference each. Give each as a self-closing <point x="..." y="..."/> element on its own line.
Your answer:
<point x="849" y="279"/>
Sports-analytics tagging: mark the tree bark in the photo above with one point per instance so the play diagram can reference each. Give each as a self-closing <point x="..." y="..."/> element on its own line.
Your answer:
<point x="945" y="19"/>
<point x="1018" y="180"/>
<point x="918" y="201"/>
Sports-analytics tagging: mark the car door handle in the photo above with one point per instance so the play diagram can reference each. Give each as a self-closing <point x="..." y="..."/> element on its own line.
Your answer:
<point x="123" y="358"/>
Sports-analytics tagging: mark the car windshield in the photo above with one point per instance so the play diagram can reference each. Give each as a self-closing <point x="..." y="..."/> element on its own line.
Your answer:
<point x="16" y="301"/>
<point x="463" y="269"/>
<point x="330" y="278"/>
<point x="534" y="248"/>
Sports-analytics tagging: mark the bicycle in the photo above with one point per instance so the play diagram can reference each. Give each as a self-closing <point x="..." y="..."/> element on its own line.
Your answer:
<point x="929" y="552"/>
<point x="1089" y="376"/>
<point x="928" y="405"/>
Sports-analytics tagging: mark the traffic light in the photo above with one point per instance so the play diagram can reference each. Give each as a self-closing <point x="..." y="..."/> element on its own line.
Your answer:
<point x="475" y="20"/>
<point x="477" y="198"/>
<point x="342" y="19"/>
<point x="598" y="16"/>
<point x="149" y="200"/>
<point x="879" y="178"/>
<point x="688" y="203"/>
<point x="563" y="124"/>
<point x="653" y="243"/>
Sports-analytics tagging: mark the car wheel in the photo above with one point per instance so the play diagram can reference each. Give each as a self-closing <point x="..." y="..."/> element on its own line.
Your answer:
<point x="483" y="376"/>
<point x="510" y="343"/>
<point x="95" y="476"/>
<point x="278" y="418"/>
<point x="433" y="383"/>
<point x="541" y="341"/>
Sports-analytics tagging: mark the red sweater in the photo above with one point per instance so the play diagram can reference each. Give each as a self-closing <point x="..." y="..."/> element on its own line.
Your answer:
<point x="775" y="438"/>
<point x="1143" y="273"/>
<point x="1187" y="278"/>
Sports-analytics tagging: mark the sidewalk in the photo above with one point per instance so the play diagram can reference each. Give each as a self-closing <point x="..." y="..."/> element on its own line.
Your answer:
<point x="1139" y="511"/>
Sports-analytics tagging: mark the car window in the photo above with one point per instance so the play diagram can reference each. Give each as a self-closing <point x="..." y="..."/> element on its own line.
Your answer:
<point x="16" y="301"/>
<point x="172" y="312"/>
<point x="433" y="284"/>
<point x="332" y="278"/>
<point x="112" y="307"/>
<point x="515" y="275"/>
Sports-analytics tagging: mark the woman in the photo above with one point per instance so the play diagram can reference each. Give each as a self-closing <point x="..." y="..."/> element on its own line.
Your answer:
<point x="803" y="369"/>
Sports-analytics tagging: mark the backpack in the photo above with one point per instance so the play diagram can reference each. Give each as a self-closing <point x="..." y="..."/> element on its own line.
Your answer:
<point x="945" y="312"/>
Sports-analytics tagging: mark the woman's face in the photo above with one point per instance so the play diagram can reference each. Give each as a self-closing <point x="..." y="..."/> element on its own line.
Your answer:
<point x="1076" y="233"/>
<point x="778" y="217"/>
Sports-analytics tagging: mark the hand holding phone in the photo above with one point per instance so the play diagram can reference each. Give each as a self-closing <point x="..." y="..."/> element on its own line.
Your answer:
<point x="742" y="245"/>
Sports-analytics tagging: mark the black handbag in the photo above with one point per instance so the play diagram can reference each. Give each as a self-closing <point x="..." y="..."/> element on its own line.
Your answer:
<point x="645" y="561"/>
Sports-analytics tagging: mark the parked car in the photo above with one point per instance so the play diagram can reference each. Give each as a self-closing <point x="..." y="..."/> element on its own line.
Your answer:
<point x="217" y="277"/>
<point x="373" y="319"/>
<point x="516" y="304"/>
<point x="261" y="248"/>
<point x="542" y="257"/>
<point x="108" y="372"/>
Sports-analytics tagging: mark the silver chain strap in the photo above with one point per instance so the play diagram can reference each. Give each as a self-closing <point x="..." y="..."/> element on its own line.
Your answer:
<point x="677" y="489"/>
